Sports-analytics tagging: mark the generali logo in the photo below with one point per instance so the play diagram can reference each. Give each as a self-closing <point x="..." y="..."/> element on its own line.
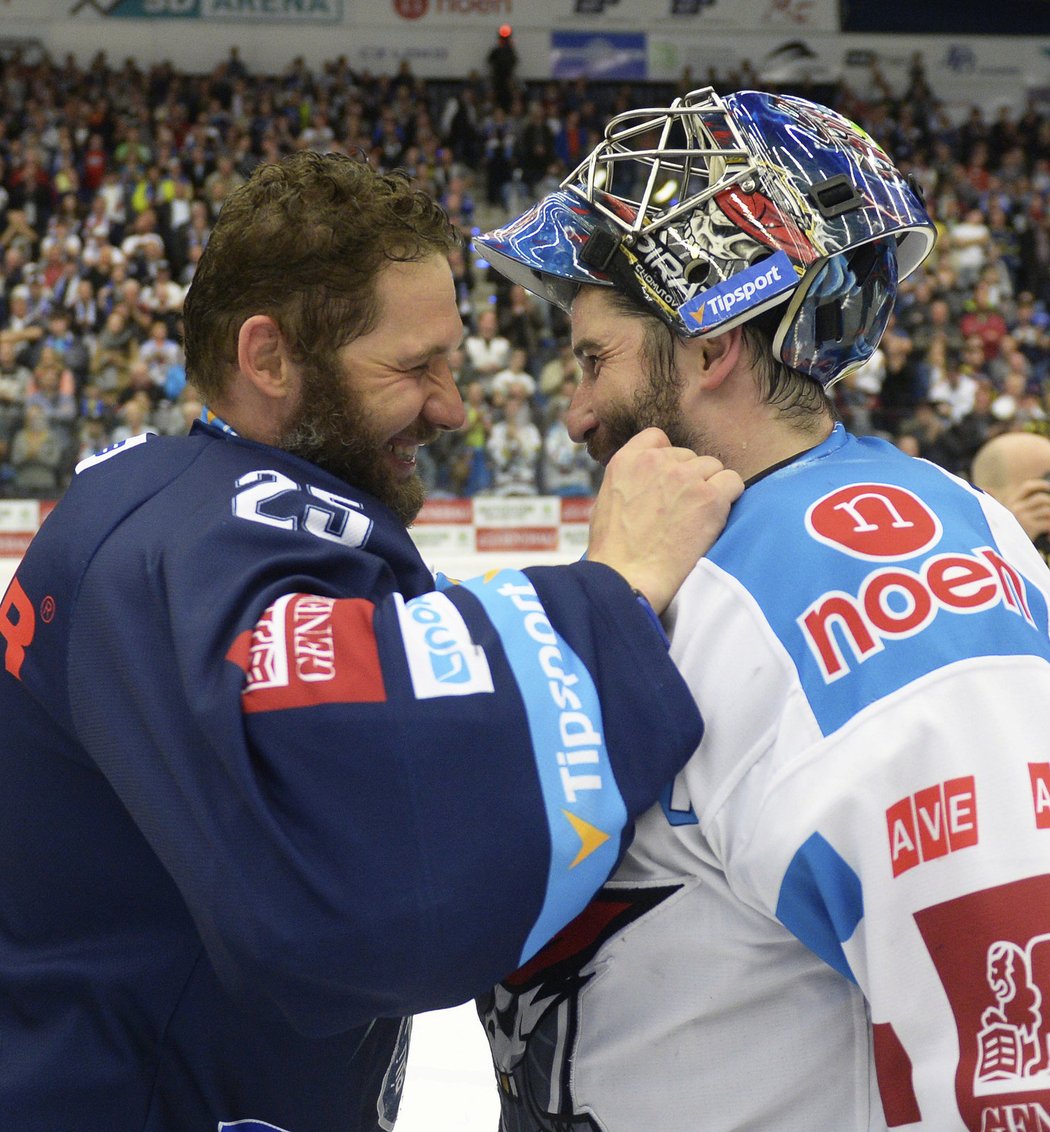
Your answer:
<point x="885" y="523"/>
<point x="991" y="950"/>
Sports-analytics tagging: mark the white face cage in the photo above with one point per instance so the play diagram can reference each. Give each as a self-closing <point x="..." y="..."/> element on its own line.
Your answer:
<point x="710" y="156"/>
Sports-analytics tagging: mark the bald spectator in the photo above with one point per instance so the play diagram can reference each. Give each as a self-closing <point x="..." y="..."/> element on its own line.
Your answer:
<point x="1013" y="468"/>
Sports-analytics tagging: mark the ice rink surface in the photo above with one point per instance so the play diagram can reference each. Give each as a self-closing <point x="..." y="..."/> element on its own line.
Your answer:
<point x="449" y="1086"/>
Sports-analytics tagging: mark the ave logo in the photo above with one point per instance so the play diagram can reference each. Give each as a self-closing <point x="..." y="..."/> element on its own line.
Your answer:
<point x="932" y="823"/>
<point x="875" y="521"/>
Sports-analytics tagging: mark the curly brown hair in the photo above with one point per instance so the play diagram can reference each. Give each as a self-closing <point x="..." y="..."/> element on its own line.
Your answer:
<point x="304" y="241"/>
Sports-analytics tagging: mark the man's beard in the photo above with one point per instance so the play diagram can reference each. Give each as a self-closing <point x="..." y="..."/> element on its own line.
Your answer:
<point x="657" y="404"/>
<point x="331" y="429"/>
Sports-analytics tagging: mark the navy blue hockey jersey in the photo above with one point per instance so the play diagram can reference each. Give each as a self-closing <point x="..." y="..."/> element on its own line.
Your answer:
<point x="268" y="790"/>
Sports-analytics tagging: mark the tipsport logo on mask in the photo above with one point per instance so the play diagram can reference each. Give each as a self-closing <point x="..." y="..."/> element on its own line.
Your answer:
<point x="747" y="290"/>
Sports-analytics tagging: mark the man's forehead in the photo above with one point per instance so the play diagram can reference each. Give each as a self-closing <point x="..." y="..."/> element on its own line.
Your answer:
<point x="596" y="318"/>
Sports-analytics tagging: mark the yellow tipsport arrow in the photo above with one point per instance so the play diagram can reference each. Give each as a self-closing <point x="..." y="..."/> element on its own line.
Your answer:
<point x="591" y="837"/>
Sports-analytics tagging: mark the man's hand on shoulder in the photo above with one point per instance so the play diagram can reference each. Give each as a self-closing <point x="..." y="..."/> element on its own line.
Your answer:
<point x="659" y="510"/>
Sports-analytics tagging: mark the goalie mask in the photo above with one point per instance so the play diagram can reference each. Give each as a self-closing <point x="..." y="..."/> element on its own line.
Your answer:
<point x="713" y="210"/>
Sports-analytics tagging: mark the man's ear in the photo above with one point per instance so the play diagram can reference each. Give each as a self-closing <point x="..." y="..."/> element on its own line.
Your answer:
<point x="711" y="360"/>
<point x="262" y="357"/>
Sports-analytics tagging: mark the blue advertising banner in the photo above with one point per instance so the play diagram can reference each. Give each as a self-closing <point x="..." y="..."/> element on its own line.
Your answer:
<point x="598" y="55"/>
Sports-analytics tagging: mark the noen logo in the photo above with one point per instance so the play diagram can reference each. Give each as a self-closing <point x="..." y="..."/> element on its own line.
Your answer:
<point x="746" y="290"/>
<point x="886" y="523"/>
<point x="894" y="602"/>
<point x="442" y="658"/>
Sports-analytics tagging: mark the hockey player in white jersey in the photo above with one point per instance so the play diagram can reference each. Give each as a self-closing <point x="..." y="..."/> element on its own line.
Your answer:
<point x="839" y="917"/>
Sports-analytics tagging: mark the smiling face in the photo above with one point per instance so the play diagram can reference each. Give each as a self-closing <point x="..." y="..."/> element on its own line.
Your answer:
<point x="630" y="381"/>
<point x="390" y="391"/>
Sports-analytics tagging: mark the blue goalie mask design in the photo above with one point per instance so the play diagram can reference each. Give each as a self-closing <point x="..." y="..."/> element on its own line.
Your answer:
<point x="713" y="210"/>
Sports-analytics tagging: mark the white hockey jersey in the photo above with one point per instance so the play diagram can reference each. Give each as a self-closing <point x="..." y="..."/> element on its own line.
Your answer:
<point x="839" y="918"/>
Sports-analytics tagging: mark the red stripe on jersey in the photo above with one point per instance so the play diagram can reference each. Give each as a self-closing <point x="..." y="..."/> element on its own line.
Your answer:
<point x="893" y="1070"/>
<point x="308" y="650"/>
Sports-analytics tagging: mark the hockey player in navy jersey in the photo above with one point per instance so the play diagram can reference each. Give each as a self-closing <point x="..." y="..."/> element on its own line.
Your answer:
<point x="267" y="790"/>
<point x="838" y="916"/>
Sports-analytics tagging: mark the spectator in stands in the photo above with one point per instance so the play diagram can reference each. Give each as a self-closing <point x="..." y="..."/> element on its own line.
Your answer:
<point x="521" y="321"/>
<point x="1028" y="329"/>
<point x="563" y="364"/>
<point x="935" y="320"/>
<point x="144" y="242"/>
<point x="129" y="296"/>
<point x="502" y="61"/>
<point x="1034" y="248"/>
<point x="1015" y="468"/>
<point x="63" y="339"/>
<point x="535" y="152"/>
<point x="140" y="384"/>
<point x="94" y="162"/>
<point x="463" y="280"/>
<point x="160" y="352"/>
<point x="162" y="295"/>
<point x="499" y="146"/>
<point x="14" y="384"/>
<point x="983" y="319"/>
<point x="968" y="242"/>
<point x="470" y="465"/>
<point x="53" y="388"/>
<point x="953" y="388"/>
<point x="979" y="425"/>
<point x="559" y="400"/>
<point x="116" y="348"/>
<point x="930" y="427"/>
<point x="84" y="311"/>
<point x="93" y="437"/>
<point x="514" y="446"/>
<point x="135" y="420"/>
<point x="1016" y="405"/>
<point x="487" y="350"/>
<point x="515" y="377"/>
<point x="19" y="233"/>
<point x="903" y="386"/>
<point x="78" y="174"/>
<point x="37" y="454"/>
<point x="565" y="467"/>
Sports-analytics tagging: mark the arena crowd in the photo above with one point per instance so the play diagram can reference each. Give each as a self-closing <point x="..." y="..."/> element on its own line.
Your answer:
<point x="112" y="175"/>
